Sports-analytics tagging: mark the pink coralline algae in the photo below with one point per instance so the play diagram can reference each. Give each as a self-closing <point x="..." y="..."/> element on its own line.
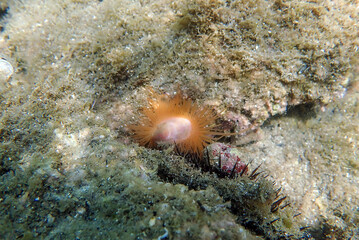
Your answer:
<point x="227" y="158"/>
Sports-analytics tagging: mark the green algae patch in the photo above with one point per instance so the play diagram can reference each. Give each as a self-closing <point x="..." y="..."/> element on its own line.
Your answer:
<point x="124" y="201"/>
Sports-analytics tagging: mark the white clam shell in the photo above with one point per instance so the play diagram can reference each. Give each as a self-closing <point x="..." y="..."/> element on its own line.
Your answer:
<point x="6" y="70"/>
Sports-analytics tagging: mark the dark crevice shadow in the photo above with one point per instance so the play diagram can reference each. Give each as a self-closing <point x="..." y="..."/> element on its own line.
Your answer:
<point x="302" y="112"/>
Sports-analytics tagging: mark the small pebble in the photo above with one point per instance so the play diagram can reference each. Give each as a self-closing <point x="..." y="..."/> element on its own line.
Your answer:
<point x="152" y="222"/>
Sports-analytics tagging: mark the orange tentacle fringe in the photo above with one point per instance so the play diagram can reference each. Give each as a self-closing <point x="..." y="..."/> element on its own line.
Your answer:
<point x="159" y="122"/>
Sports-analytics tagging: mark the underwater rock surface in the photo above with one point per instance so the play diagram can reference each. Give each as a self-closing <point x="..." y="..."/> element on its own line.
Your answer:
<point x="82" y="69"/>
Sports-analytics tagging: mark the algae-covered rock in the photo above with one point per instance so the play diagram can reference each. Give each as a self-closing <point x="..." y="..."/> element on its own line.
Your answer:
<point x="81" y="69"/>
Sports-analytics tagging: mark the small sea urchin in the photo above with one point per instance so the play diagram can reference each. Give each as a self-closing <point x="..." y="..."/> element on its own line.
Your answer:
<point x="176" y="120"/>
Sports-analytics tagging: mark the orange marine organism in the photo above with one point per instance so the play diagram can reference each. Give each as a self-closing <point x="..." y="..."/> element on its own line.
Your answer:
<point x="176" y="120"/>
